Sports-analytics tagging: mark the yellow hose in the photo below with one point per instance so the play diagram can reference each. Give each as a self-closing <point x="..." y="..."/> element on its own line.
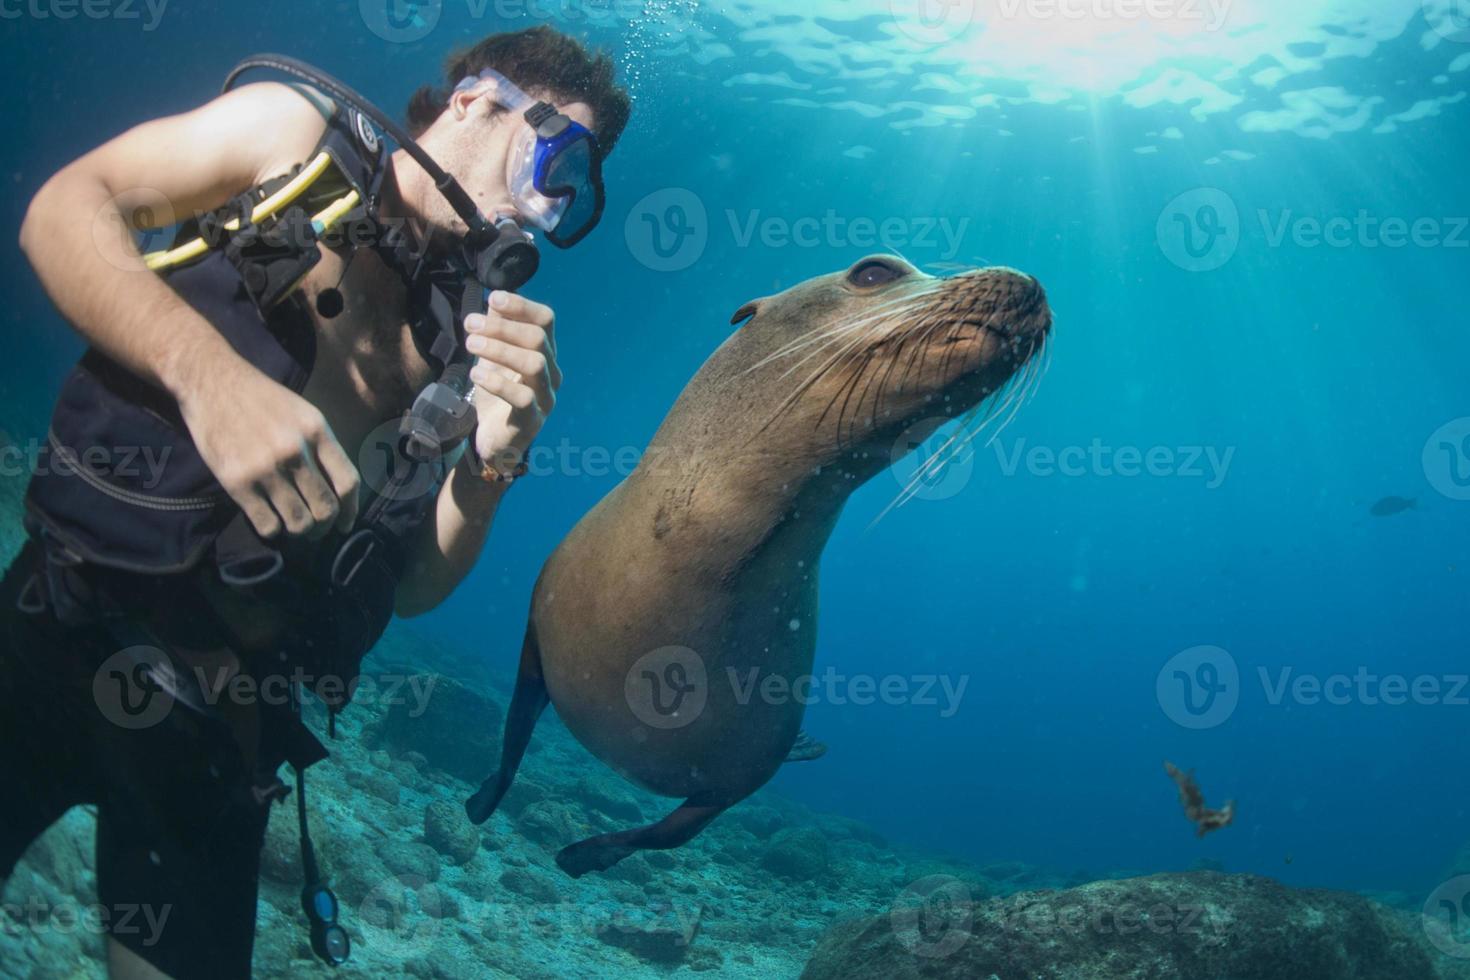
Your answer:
<point x="265" y="209"/>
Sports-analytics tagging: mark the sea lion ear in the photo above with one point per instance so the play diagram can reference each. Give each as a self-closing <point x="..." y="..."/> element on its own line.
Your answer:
<point x="745" y="312"/>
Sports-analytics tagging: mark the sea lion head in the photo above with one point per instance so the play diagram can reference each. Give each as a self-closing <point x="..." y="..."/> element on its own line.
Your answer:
<point x="834" y="370"/>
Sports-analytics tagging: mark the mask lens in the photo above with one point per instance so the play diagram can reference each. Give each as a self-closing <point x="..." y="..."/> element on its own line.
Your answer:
<point x="573" y="175"/>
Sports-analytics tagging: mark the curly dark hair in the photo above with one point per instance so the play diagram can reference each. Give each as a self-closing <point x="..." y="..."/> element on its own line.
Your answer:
<point x="539" y="58"/>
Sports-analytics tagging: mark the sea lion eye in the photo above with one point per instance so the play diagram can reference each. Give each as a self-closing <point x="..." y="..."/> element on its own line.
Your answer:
<point x="874" y="272"/>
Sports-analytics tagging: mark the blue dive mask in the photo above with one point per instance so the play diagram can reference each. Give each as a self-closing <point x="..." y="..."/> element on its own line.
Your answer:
<point x="555" y="176"/>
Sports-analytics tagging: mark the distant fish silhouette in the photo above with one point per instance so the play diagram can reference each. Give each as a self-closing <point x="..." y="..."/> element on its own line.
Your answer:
<point x="1193" y="801"/>
<point x="1389" y="506"/>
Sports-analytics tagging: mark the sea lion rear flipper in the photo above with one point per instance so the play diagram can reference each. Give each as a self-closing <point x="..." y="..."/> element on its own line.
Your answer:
<point x="526" y="705"/>
<point x="602" y="852"/>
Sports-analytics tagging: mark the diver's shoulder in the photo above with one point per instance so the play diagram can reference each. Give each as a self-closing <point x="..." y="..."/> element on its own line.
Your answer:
<point x="277" y="104"/>
<point x="286" y="117"/>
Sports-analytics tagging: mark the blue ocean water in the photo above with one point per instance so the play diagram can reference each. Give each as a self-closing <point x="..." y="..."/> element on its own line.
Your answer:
<point x="1170" y="182"/>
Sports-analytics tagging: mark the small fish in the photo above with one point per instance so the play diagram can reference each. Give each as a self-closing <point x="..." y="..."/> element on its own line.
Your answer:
<point x="1389" y="506"/>
<point x="1193" y="801"/>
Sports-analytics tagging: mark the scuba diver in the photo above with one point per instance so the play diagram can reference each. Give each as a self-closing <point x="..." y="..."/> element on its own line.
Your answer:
<point x="324" y="300"/>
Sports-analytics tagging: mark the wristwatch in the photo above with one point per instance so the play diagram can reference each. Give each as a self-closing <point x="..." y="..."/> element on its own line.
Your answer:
<point x="491" y="473"/>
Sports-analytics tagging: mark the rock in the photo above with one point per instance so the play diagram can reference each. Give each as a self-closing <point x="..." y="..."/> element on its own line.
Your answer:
<point x="448" y="831"/>
<point x="410" y="860"/>
<point x="522" y="793"/>
<point x="1201" y="924"/>
<point x="658" y="934"/>
<point x="528" y="884"/>
<point x="763" y="821"/>
<point x="551" y="824"/>
<point x="607" y="798"/>
<point x="376" y="783"/>
<point x="663" y="860"/>
<point x="458" y="730"/>
<point x="799" y="854"/>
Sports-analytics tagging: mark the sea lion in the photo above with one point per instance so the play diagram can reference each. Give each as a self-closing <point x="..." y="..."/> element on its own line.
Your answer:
<point x="658" y="622"/>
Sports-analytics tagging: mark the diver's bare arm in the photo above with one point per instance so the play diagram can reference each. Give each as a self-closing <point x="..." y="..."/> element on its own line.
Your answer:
<point x="269" y="448"/>
<point x="516" y="378"/>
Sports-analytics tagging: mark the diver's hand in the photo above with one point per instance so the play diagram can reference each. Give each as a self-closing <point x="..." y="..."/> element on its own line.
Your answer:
<point x="516" y="377"/>
<point x="272" y="452"/>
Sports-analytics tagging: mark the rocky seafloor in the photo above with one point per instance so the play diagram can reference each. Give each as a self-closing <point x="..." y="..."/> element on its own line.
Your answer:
<point x="771" y="890"/>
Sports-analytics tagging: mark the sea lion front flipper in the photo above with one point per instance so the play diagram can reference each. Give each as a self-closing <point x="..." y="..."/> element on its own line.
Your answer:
<point x="526" y="705"/>
<point x="602" y="852"/>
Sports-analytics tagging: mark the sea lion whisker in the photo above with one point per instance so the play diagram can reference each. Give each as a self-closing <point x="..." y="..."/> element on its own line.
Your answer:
<point x="847" y="351"/>
<point x="896" y="307"/>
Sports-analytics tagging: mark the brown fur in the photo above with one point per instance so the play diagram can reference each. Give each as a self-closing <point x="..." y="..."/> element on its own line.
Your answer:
<point x="714" y="542"/>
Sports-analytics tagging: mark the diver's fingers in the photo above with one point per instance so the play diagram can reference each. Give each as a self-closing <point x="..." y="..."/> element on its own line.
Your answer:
<point x="528" y="364"/>
<point x="531" y="330"/>
<point x="316" y="494"/>
<point x="519" y="396"/>
<point x="516" y="307"/>
<point x="289" y="506"/>
<point x="344" y="478"/>
<point x="257" y="509"/>
<point x="525" y="369"/>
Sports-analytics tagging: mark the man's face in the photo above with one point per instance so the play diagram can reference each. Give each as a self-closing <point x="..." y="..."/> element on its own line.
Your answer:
<point x="474" y="143"/>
